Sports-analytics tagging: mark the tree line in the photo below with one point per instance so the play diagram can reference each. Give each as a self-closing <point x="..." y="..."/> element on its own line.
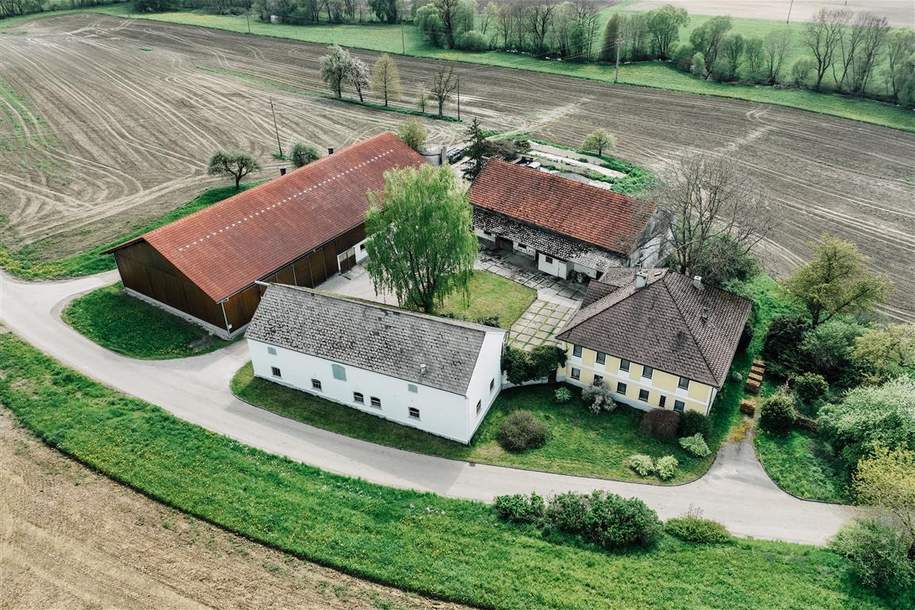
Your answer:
<point x="17" y="8"/>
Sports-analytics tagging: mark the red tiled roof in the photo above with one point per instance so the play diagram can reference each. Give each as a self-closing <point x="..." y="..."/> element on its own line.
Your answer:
<point x="590" y="214"/>
<point x="229" y="245"/>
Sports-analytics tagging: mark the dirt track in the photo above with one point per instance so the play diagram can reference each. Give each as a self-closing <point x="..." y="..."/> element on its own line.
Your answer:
<point x="72" y="539"/>
<point x="129" y="112"/>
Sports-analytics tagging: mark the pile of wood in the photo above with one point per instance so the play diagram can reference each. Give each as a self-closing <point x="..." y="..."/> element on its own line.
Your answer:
<point x="754" y="379"/>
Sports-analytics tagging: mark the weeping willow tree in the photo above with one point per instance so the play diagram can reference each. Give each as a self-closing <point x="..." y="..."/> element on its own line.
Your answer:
<point x="420" y="244"/>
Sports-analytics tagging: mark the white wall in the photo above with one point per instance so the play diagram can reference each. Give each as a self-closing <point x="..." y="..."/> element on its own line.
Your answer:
<point x="361" y="252"/>
<point x="524" y="248"/>
<point x="488" y="368"/>
<point x="482" y="235"/>
<point x="558" y="267"/>
<point x="441" y="413"/>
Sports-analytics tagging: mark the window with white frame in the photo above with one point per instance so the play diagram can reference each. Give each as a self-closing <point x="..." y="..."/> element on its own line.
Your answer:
<point x="601" y="358"/>
<point x="576" y="373"/>
<point x="276" y="372"/>
<point x="316" y="384"/>
<point x="679" y="406"/>
<point x="548" y="259"/>
<point x="271" y="350"/>
<point x="624" y="365"/>
<point x="647" y="372"/>
<point x="643" y="395"/>
<point x="375" y="402"/>
<point x="414" y="412"/>
<point x="598" y="379"/>
<point x="662" y="400"/>
<point x="621" y="388"/>
<point x="683" y="384"/>
<point x="576" y="351"/>
<point x="338" y="371"/>
<point x="358" y="397"/>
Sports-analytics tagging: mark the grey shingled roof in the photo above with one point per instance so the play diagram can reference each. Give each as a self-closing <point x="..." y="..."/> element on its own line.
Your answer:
<point x="370" y="336"/>
<point x="669" y="325"/>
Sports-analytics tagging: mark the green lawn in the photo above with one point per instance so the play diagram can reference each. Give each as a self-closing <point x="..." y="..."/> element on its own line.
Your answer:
<point x="387" y="38"/>
<point x="29" y="262"/>
<point x="491" y="295"/>
<point x="580" y="443"/>
<point x="129" y="326"/>
<point x="802" y="464"/>
<point x="451" y="549"/>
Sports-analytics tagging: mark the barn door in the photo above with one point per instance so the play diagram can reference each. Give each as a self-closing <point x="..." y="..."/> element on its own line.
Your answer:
<point x="347" y="260"/>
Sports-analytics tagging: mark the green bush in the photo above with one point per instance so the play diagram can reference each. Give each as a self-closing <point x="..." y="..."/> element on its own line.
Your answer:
<point x="606" y="519"/>
<point x="692" y="423"/>
<point x="303" y="154"/>
<point x="521" y="431"/>
<point x="471" y="40"/>
<point x="878" y="554"/>
<point x="641" y="464"/>
<point x="562" y="395"/>
<point x="692" y="527"/>
<point x="695" y="445"/>
<point x="781" y="348"/>
<point x="778" y="413"/>
<point x="666" y="467"/>
<point x="809" y="387"/>
<point x="520" y="508"/>
<point x="660" y="424"/>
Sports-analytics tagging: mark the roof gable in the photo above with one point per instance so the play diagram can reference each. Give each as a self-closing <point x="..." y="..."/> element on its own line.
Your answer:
<point x="418" y="348"/>
<point x="229" y="245"/>
<point x="669" y="324"/>
<point x="590" y="214"/>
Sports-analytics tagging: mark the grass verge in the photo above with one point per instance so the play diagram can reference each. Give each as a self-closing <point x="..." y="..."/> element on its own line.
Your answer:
<point x="491" y="295"/>
<point x="28" y="263"/>
<point x="802" y="464"/>
<point x="446" y="548"/>
<point x="119" y="322"/>
<point x="388" y="38"/>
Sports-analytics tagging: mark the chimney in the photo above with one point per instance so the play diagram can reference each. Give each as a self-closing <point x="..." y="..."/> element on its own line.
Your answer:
<point x="282" y="171"/>
<point x="641" y="280"/>
<point x="697" y="282"/>
<point x="330" y="150"/>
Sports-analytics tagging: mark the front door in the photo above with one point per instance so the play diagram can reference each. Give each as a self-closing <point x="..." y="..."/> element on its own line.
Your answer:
<point x="347" y="260"/>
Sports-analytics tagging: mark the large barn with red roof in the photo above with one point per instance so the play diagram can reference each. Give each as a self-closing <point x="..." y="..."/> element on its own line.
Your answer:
<point x="298" y="229"/>
<point x="570" y="228"/>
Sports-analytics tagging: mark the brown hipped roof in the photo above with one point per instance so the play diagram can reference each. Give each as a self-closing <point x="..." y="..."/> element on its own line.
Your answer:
<point x="669" y="324"/>
<point x="587" y="213"/>
<point x="231" y="244"/>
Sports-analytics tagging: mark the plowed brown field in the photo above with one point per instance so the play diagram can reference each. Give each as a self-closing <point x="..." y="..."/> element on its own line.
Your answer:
<point x="113" y="120"/>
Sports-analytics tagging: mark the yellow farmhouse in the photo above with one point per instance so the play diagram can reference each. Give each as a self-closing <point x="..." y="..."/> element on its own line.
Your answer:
<point x="658" y="339"/>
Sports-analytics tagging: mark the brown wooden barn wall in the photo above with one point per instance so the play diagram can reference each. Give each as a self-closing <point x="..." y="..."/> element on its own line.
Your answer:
<point x="143" y="269"/>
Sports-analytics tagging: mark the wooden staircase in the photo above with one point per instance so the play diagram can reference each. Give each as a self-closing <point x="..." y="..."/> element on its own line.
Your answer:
<point x="755" y="377"/>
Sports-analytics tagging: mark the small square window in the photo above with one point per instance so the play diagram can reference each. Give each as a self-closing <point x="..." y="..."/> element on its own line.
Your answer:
<point x="271" y="351"/>
<point x="275" y="371"/>
<point x="576" y="373"/>
<point x="548" y="259"/>
<point x="522" y="246"/>
<point x="647" y="372"/>
<point x="683" y="384"/>
<point x="601" y="358"/>
<point x="338" y="371"/>
<point x="492" y="384"/>
<point x="621" y="388"/>
<point x="479" y="406"/>
<point x="315" y="385"/>
<point x="358" y="397"/>
<point x="411" y="387"/>
<point x="362" y="246"/>
<point x="662" y="401"/>
<point x="376" y="402"/>
<point x="414" y="412"/>
<point x="624" y="365"/>
<point x="679" y="406"/>
<point x="598" y="379"/>
<point x="643" y="395"/>
<point x="576" y="351"/>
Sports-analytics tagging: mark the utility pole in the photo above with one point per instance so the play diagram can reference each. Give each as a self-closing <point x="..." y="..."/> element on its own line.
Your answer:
<point x="791" y="6"/>
<point x="619" y="43"/>
<point x="403" y="40"/>
<point x="279" y="147"/>
<point x="459" y="97"/>
<point x="248" y="20"/>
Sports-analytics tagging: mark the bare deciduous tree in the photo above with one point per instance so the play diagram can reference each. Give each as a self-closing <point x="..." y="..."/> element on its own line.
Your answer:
<point x="707" y="197"/>
<point x="874" y="31"/>
<point x="443" y="85"/>
<point x="538" y="17"/>
<point x="822" y="35"/>
<point x="775" y="49"/>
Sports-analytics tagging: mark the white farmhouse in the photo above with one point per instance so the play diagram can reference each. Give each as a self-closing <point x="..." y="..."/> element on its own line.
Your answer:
<point x="435" y="374"/>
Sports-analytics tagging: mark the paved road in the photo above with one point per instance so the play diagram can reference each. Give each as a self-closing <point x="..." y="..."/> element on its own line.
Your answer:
<point x="735" y="492"/>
